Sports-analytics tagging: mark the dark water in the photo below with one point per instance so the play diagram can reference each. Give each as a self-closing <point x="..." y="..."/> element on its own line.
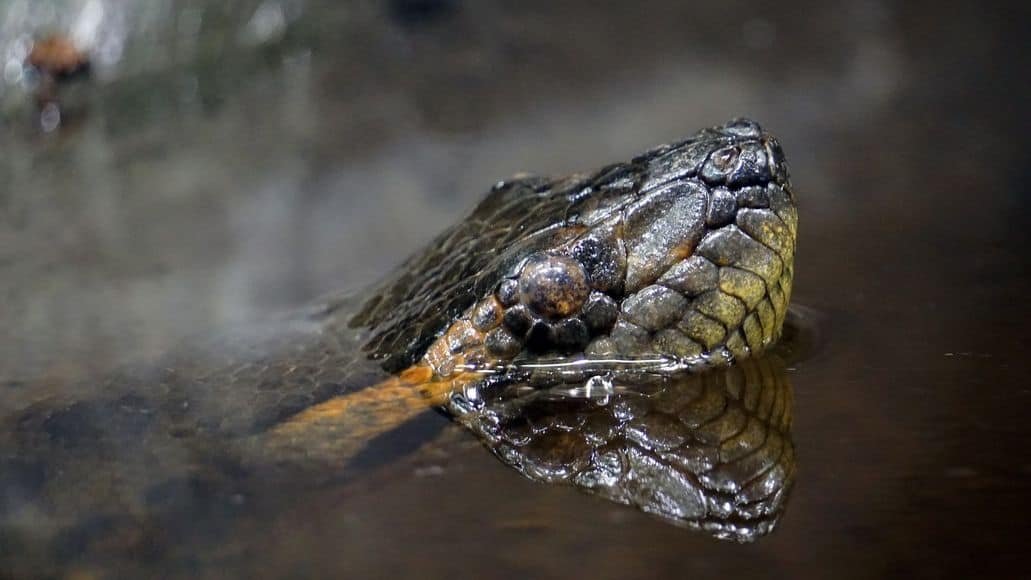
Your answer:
<point x="233" y="159"/>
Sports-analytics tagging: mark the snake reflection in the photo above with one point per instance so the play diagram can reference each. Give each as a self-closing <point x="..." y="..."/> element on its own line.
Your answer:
<point x="711" y="451"/>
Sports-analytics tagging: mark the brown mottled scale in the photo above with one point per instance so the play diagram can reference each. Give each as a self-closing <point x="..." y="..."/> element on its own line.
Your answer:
<point x="684" y="252"/>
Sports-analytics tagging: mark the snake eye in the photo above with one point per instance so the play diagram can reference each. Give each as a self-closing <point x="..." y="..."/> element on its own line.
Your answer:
<point x="554" y="287"/>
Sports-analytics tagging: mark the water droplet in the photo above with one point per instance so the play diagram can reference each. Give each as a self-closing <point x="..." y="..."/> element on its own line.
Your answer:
<point x="600" y="388"/>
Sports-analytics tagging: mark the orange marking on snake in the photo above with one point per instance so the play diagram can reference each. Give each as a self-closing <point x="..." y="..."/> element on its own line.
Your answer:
<point x="380" y="407"/>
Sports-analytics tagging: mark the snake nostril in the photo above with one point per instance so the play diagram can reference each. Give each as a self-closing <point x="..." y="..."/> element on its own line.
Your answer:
<point x="724" y="159"/>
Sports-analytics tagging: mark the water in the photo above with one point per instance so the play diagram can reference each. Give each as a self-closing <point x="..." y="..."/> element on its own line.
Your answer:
<point x="253" y="155"/>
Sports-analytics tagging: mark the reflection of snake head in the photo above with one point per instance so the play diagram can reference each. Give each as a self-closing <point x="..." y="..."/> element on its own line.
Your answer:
<point x="685" y="250"/>
<point x="711" y="451"/>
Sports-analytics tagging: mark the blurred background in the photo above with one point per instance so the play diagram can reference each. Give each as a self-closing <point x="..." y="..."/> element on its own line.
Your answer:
<point x="224" y="160"/>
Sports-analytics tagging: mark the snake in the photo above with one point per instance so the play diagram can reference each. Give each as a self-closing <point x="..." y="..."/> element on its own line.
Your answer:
<point x="615" y="330"/>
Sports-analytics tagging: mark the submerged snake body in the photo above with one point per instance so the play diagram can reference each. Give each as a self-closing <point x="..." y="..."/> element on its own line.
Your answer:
<point x="684" y="253"/>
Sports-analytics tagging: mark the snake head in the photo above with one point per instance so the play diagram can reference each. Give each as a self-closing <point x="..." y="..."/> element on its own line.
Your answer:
<point x="683" y="251"/>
